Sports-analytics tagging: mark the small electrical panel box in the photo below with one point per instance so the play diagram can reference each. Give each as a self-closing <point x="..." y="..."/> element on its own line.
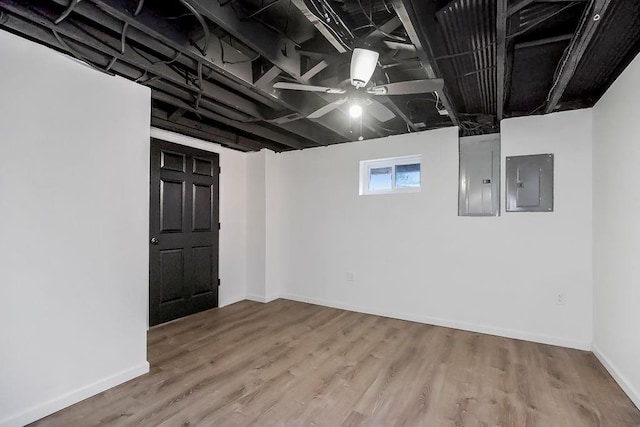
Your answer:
<point x="529" y="183"/>
<point x="479" y="180"/>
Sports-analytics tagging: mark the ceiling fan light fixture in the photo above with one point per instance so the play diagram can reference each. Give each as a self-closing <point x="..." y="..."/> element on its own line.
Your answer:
<point x="363" y="64"/>
<point x="355" y="111"/>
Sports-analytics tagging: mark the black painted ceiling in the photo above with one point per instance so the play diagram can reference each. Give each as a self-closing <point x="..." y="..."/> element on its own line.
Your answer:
<point x="211" y="64"/>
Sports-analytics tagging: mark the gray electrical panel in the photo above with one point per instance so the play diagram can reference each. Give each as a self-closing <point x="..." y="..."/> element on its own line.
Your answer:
<point x="529" y="185"/>
<point x="479" y="181"/>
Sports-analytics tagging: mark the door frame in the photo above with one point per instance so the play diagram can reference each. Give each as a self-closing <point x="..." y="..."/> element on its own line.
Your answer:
<point x="189" y="150"/>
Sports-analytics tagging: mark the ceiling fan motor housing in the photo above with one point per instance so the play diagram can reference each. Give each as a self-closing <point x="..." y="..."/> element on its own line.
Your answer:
<point x="363" y="64"/>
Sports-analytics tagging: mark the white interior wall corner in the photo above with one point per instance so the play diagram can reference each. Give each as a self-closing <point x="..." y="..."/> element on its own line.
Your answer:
<point x="256" y="226"/>
<point x="616" y="230"/>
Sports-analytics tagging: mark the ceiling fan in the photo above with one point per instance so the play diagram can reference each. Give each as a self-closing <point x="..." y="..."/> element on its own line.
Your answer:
<point x="363" y="65"/>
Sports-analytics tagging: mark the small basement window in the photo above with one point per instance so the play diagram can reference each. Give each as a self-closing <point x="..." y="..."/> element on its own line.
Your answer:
<point x="393" y="175"/>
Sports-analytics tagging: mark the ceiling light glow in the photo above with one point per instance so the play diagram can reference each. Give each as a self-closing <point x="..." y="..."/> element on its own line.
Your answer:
<point x="355" y="111"/>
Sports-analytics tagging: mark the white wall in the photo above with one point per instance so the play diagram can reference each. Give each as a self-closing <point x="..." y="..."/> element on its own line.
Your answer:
<point x="233" y="214"/>
<point x="274" y="205"/>
<point x="74" y="192"/>
<point x="616" y="230"/>
<point x="411" y="255"/>
<point x="256" y="226"/>
<point x="264" y="228"/>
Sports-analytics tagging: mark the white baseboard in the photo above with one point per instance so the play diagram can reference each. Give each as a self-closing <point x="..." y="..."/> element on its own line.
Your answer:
<point x="46" y="408"/>
<point x="232" y="301"/>
<point x="490" y="330"/>
<point x="625" y="385"/>
<point x="261" y="298"/>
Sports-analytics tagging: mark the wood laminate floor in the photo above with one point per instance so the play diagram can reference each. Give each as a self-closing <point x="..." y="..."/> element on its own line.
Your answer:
<point x="293" y="364"/>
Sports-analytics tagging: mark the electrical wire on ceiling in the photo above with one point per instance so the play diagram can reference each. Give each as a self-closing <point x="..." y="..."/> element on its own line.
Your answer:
<point x="77" y="55"/>
<point x="246" y="13"/>
<point x="203" y="24"/>
<point x="325" y="14"/>
<point x="170" y="64"/>
<point x="143" y="55"/>
<point x="362" y="27"/>
<point x="376" y="26"/>
<point x="184" y="15"/>
<point x="470" y="126"/>
<point x="139" y="8"/>
<point x="386" y="6"/>
<point x="435" y="100"/>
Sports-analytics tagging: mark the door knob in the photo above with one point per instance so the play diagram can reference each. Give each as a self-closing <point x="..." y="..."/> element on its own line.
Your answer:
<point x="154" y="241"/>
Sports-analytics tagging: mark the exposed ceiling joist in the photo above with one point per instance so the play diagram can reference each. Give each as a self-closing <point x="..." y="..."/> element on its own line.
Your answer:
<point x="158" y="34"/>
<point x="304" y="128"/>
<point x="201" y="131"/>
<point x="541" y="42"/>
<point x="210" y="73"/>
<point x="386" y="28"/>
<point x="198" y="102"/>
<point x="577" y="47"/>
<point x="518" y="6"/>
<point x="265" y="81"/>
<point x="387" y="101"/>
<point x="313" y="71"/>
<point x="320" y="26"/>
<point x="415" y="30"/>
<point x="251" y="128"/>
<point x="162" y="120"/>
<point x="176" y="114"/>
<point x="277" y="49"/>
<point x="150" y="31"/>
<point x="162" y="90"/>
<point x="161" y="30"/>
<point x="227" y="102"/>
<point x="552" y="13"/>
<point x="523" y="4"/>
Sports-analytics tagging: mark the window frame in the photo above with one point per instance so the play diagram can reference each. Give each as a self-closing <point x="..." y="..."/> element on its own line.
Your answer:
<point x="367" y="165"/>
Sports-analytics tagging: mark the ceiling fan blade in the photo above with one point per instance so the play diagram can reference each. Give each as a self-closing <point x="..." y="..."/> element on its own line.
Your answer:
<point x="379" y="111"/>
<point x="408" y="88"/>
<point x="307" y="88"/>
<point x="400" y="46"/>
<point x="326" y="109"/>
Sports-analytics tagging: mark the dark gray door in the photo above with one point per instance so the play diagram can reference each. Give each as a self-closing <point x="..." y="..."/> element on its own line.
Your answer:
<point x="183" y="241"/>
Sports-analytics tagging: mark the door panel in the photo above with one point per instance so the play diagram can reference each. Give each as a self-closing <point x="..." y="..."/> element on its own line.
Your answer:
<point x="184" y="215"/>
<point x="202" y="166"/>
<point x="202" y="269"/>
<point x="202" y="198"/>
<point x="172" y="205"/>
<point x="171" y="276"/>
<point x="172" y="161"/>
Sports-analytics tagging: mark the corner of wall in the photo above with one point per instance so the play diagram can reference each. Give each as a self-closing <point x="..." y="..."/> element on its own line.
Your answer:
<point x="616" y="232"/>
<point x="618" y="376"/>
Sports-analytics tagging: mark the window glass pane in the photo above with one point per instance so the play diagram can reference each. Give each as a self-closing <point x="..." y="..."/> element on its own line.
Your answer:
<point x="380" y="179"/>
<point x="408" y="176"/>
